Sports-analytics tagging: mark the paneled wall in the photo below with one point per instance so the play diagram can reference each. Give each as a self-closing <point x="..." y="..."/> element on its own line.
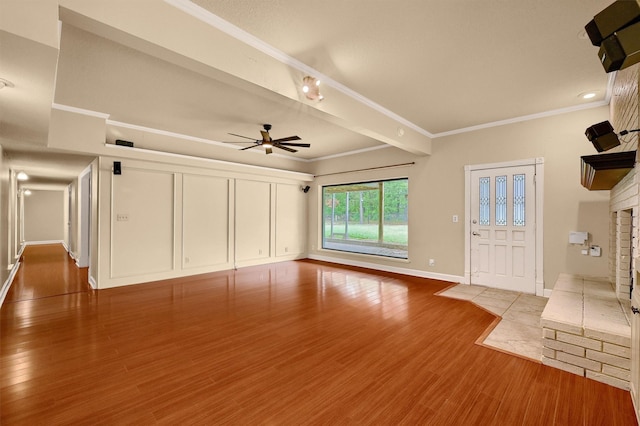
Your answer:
<point x="205" y="221"/>
<point x="290" y="224"/>
<point x="253" y="220"/>
<point x="143" y="229"/>
<point x="160" y="221"/>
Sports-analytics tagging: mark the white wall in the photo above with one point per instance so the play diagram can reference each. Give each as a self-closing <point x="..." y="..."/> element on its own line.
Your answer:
<point x="72" y="220"/>
<point x="44" y="216"/>
<point x="5" y="224"/>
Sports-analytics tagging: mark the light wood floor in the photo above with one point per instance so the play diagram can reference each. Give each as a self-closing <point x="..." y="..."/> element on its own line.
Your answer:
<point x="291" y="343"/>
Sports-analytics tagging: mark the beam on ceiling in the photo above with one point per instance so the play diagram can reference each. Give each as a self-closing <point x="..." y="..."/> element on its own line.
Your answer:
<point x="192" y="43"/>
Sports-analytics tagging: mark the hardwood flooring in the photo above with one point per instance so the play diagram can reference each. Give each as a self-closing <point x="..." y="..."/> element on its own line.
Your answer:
<point x="290" y="343"/>
<point x="48" y="271"/>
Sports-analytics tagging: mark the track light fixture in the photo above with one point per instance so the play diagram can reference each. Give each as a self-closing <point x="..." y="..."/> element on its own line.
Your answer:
<point x="311" y="88"/>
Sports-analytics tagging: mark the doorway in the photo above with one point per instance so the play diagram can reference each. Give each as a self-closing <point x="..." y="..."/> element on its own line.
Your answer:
<point x="503" y="241"/>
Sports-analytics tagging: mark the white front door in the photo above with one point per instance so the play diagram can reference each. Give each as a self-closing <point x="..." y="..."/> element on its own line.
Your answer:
<point x="502" y="226"/>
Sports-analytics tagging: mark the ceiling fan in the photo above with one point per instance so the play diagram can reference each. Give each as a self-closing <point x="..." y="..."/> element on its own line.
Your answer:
<point x="268" y="143"/>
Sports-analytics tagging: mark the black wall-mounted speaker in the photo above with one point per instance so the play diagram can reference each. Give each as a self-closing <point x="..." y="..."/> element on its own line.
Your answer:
<point x="124" y="143"/>
<point x="602" y="136"/>
<point x="306" y="189"/>
<point x="117" y="168"/>
<point x="615" y="17"/>
<point x="622" y="49"/>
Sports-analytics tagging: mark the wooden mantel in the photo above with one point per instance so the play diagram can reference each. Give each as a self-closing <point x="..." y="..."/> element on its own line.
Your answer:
<point x="604" y="171"/>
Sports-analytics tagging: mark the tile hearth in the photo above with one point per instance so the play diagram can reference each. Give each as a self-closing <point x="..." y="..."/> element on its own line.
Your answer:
<point x="587" y="331"/>
<point x="519" y="330"/>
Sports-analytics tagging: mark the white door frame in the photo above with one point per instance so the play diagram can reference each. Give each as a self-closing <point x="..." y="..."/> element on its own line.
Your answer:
<point x="538" y="163"/>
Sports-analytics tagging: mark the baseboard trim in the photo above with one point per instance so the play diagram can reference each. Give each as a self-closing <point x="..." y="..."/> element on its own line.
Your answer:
<point x="7" y="284"/>
<point x="36" y="243"/>
<point x="386" y="268"/>
<point x="93" y="283"/>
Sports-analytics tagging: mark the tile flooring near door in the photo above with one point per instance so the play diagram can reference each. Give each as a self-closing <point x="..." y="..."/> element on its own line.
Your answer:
<point x="519" y="330"/>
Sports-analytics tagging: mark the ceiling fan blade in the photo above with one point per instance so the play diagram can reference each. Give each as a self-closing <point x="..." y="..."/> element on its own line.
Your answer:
<point x="240" y="136"/>
<point x="268" y="150"/>
<point x="265" y="136"/>
<point x="249" y="147"/>
<point x="277" y="145"/>
<point x="302" y="145"/>
<point x="290" y="138"/>
<point x="240" y="142"/>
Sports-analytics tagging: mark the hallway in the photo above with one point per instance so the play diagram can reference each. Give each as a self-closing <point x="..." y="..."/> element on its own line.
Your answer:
<point x="46" y="270"/>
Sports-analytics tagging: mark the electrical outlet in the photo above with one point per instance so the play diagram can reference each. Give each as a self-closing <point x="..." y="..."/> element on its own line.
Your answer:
<point x="122" y="217"/>
<point x="432" y="262"/>
<point x="455" y="218"/>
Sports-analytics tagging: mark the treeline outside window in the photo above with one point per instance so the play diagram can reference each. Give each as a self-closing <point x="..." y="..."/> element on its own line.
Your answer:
<point x="367" y="218"/>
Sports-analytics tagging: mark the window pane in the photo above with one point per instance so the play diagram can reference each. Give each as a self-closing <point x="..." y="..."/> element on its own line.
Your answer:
<point x="368" y="218"/>
<point x="501" y="200"/>
<point x="485" y="199"/>
<point x="518" y="200"/>
<point x="396" y="211"/>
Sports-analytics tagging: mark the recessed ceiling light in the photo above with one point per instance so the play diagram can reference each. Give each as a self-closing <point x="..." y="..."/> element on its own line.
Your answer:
<point x="27" y="192"/>
<point x="587" y="95"/>
<point x="22" y="176"/>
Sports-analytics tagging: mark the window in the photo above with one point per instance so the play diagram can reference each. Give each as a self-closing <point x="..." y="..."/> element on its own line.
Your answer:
<point x="367" y="218"/>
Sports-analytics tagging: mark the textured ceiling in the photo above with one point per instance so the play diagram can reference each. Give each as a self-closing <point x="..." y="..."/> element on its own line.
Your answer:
<point x="441" y="64"/>
<point x="396" y="72"/>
